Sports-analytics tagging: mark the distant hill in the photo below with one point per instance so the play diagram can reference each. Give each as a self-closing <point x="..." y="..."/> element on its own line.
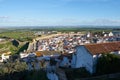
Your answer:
<point x="62" y="26"/>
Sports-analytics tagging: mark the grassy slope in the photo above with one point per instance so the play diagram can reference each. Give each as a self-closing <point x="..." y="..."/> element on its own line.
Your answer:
<point x="8" y="46"/>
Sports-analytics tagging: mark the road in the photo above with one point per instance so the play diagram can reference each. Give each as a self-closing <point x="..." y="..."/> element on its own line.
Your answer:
<point x="54" y="35"/>
<point x="48" y="36"/>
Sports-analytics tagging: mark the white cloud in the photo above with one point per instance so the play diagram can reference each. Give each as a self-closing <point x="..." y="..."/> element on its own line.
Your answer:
<point x="102" y="22"/>
<point x="46" y="22"/>
<point x="107" y="21"/>
<point x="3" y="17"/>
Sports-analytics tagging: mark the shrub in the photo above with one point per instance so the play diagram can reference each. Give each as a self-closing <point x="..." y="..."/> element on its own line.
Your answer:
<point x="73" y="74"/>
<point x="108" y="63"/>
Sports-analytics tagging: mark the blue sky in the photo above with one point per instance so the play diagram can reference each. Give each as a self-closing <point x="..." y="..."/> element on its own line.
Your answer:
<point x="59" y="12"/>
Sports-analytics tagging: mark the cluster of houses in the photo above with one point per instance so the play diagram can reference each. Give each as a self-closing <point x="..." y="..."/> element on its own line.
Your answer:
<point x="63" y="43"/>
<point x="73" y="51"/>
<point x="84" y="56"/>
<point x="39" y="33"/>
<point x="66" y="42"/>
<point x="112" y="36"/>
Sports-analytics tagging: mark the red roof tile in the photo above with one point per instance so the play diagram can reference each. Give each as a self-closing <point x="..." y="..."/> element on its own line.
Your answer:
<point x="103" y="47"/>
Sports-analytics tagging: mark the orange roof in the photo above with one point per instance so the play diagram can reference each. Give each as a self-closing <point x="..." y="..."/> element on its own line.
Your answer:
<point x="38" y="53"/>
<point x="103" y="47"/>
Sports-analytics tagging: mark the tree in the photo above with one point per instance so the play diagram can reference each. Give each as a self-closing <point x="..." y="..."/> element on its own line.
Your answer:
<point x="108" y="63"/>
<point x="10" y="67"/>
<point x="15" y="43"/>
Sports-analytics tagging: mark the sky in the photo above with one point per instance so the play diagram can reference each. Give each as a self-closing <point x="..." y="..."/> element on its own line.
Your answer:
<point x="59" y="12"/>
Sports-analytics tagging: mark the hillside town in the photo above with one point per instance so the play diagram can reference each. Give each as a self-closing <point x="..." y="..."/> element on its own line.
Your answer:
<point x="59" y="39"/>
<point x="68" y="50"/>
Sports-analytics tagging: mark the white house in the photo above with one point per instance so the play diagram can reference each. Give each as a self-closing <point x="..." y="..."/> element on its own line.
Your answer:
<point x="23" y="55"/>
<point x="5" y="56"/>
<point x="87" y="55"/>
<point x="1" y="39"/>
<point x="65" y="60"/>
<point x="88" y="35"/>
<point x="82" y="58"/>
<point x="110" y="34"/>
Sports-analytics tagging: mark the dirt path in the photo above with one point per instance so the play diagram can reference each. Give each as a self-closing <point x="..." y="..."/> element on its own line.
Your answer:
<point x="48" y="36"/>
<point x="54" y="35"/>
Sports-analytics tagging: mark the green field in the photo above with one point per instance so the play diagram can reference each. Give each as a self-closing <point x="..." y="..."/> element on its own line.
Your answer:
<point x="19" y="35"/>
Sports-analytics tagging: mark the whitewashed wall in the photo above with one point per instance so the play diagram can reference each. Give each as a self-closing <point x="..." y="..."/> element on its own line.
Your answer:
<point x="73" y="61"/>
<point x="83" y="59"/>
<point x="65" y="62"/>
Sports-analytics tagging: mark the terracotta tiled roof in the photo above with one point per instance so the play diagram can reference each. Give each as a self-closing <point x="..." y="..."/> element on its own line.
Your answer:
<point x="38" y="53"/>
<point x="47" y="52"/>
<point x="103" y="47"/>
